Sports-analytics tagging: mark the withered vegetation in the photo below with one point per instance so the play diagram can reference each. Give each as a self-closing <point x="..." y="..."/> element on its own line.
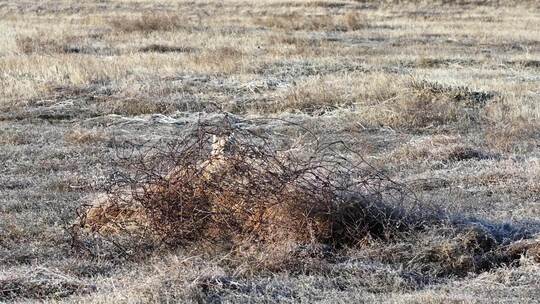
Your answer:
<point x="373" y="151"/>
<point x="227" y="182"/>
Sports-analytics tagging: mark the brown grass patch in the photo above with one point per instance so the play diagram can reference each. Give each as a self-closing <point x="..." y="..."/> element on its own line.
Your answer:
<point x="389" y="101"/>
<point x="85" y="136"/>
<point x="225" y="59"/>
<point x="147" y="23"/>
<point x="350" y="21"/>
<point x="44" y="43"/>
<point x="517" y="137"/>
<point x="41" y="44"/>
<point x="137" y="106"/>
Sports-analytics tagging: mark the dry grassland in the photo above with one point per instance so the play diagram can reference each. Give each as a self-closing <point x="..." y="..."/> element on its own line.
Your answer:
<point x="442" y="97"/>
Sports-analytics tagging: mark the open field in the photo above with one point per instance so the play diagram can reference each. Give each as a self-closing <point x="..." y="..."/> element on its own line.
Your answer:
<point x="442" y="97"/>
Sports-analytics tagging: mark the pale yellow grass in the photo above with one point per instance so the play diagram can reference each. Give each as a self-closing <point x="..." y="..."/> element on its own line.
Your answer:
<point x="440" y="95"/>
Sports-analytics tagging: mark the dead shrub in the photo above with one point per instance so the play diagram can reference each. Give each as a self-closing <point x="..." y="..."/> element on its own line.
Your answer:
<point x="147" y="23"/>
<point x="233" y="182"/>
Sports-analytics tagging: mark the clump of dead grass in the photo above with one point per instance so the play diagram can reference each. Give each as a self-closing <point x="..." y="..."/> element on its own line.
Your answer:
<point x="376" y="100"/>
<point x="147" y="23"/>
<point x="518" y="136"/>
<point x="162" y="48"/>
<point x="458" y="249"/>
<point x="139" y="105"/>
<point x="85" y="136"/>
<point x="223" y="183"/>
<point x="351" y="21"/>
<point x="425" y="104"/>
<point x="40" y="284"/>
<point x="223" y="59"/>
<point x="47" y="44"/>
<point x="443" y="148"/>
<point x="42" y="44"/>
<point x="10" y="137"/>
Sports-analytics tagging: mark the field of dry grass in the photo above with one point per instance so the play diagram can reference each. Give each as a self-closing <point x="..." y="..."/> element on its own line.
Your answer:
<point x="443" y="97"/>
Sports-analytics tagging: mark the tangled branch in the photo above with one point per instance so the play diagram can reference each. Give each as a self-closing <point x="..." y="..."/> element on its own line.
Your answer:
<point x="233" y="181"/>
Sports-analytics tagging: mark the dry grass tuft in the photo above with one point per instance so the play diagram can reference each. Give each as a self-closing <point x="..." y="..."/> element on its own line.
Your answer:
<point x="85" y="136"/>
<point x="397" y="102"/>
<point x="9" y="137"/>
<point x="42" y="45"/>
<point x="223" y="59"/>
<point x="161" y="48"/>
<point x="350" y="21"/>
<point x="138" y="106"/>
<point x="437" y="148"/>
<point x="455" y="250"/>
<point x="427" y="91"/>
<point x="517" y="137"/>
<point x="147" y="23"/>
<point x="40" y="284"/>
